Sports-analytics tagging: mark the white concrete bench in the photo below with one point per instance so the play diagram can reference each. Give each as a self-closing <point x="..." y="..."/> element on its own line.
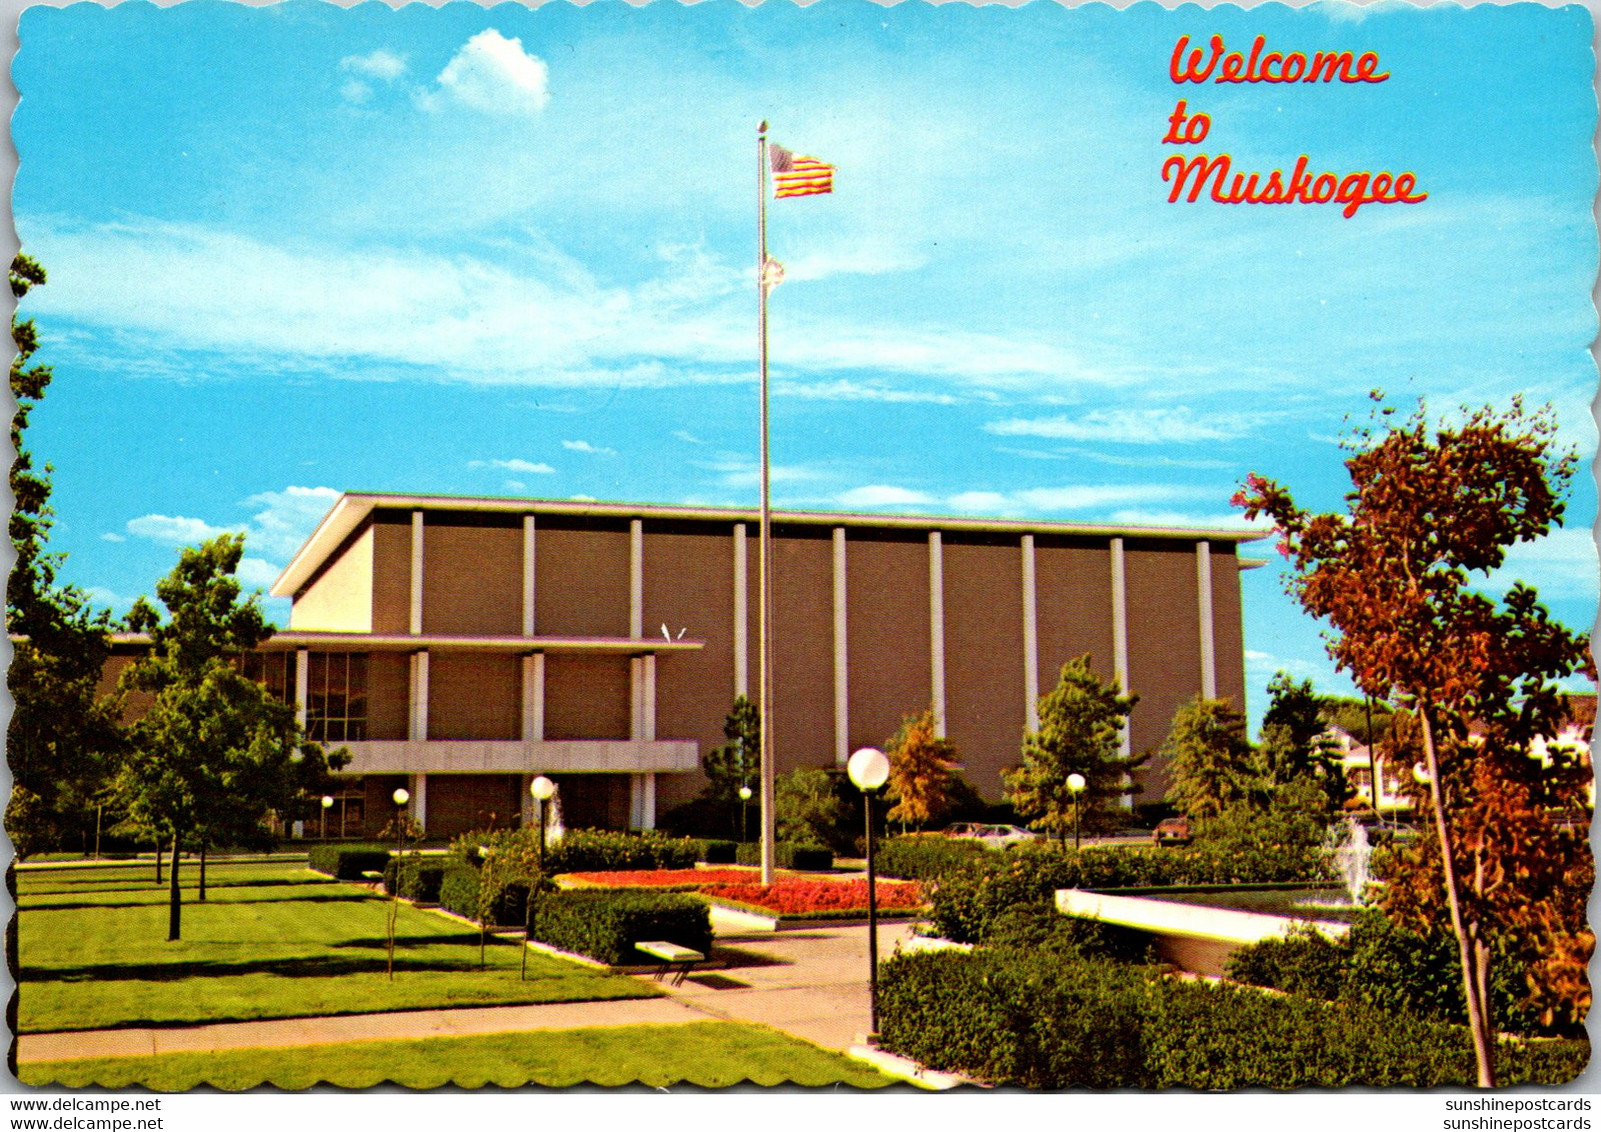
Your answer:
<point x="672" y="955"/>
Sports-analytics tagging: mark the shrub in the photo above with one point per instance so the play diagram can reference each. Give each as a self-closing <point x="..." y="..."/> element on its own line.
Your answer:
<point x="719" y="852"/>
<point x="417" y="879"/>
<point x="582" y="850"/>
<point x="604" y="924"/>
<point x="1306" y="963"/>
<point x="970" y="897"/>
<point x="1041" y="928"/>
<point x="813" y="858"/>
<point x="923" y="858"/>
<point x="347" y="862"/>
<point x="1052" y="1021"/>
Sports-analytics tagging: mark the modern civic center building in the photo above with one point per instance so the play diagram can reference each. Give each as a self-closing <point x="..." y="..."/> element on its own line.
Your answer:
<point x="460" y="646"/>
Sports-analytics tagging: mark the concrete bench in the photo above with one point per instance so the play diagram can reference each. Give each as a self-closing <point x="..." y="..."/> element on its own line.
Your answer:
<point x="672" y="955"/>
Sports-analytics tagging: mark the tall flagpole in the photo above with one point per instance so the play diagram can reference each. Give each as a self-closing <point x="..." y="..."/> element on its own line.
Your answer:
<point x="765" y="547"/>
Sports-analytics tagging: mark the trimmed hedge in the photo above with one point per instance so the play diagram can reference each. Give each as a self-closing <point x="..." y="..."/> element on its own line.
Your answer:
<point x="970" y="897"/>
<point x="788" y="855"/>
<point x="420" y="878"/>
<point x="719" y="852"/>
<point x="347" y="862"/>
<point x="604" y="924"/>
<point x="458" y="893"/>
<point x="1052" y="1021"/>
<point x="924" y="858"/>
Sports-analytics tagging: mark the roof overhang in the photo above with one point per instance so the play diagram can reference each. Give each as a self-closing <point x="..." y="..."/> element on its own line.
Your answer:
<point x="352" y="509"/>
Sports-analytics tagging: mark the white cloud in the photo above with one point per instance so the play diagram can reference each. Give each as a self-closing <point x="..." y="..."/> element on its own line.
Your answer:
<point x="514" y="465"/>
<point x="981" y="502"/>
<point x="1127" y="426"/>
<point x="493" y="75"/>
<point x="113" y="536"/>
<point x="355" y="91"/>
<point x="847" y="390"/>
<point x="176" y="530"/>
<point x="287" y="518"/>
<point x="1562" y="564"/>
<point x="378" y="64"/>
<point x="1169" y="518"/>
<point x="586" y="447"/>
<point x="687" y="437"/>
<point x="884" y="495"/>
<point x="257" y="572"/>
<point x="1084" y="497"/>
<point x="747" y="473"/>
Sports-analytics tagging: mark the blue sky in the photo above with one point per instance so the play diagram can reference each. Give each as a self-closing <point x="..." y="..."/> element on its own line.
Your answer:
<point x="301" y="249"/>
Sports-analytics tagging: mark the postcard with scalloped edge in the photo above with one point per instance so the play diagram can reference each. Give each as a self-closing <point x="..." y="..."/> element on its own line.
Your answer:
<point x="842" y="546"/>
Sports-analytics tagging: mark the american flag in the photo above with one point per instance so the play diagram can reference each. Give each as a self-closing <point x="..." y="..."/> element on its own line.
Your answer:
<point x="799" y="176"/>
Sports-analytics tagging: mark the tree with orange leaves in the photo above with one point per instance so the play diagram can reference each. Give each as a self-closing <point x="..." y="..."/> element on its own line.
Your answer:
<point x="922" y="769"/>
<point x="1433" y="507"/>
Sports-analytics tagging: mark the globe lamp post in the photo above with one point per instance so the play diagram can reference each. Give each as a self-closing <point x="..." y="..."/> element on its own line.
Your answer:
<point x="542" y="789"/>
<point x="869" y="770"/>
<point x="744" y="799"/>
<point x="326" y="803"/>
<point x="400" y="797"/>
<point x="1075" y="783"/>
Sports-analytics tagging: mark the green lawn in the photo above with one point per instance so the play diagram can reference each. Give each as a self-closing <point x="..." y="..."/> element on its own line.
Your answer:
<point x="709" y="1054"/>
<point x="274" y="940"/>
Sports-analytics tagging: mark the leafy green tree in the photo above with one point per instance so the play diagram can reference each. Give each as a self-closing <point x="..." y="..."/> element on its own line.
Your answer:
<point x="922" y="771"/>
<point x="1212" y="763"/>
<point x="215" y="751"/>
<point x="1295" y="743"/>
<point x="1081" y="726"/>
<point x="736" y="763"/>
<point x="62" y="732"/>
<point x="1433" y="508"/>
<point x="808" y="809"/>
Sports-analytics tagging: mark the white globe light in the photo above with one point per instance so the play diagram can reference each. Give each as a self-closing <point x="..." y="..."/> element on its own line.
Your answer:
<point x="868" y="768"/>
<point x="1420" y="772"/>
<point x="1075" y="782"/>
<point x="744" y="793"/>
<point x="326" y="801"/>
<point x="401" y="796"/>
<point x="542" y="788"/>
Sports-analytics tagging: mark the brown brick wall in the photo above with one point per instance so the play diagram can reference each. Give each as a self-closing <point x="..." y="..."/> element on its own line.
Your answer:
<point x="803" y="648"/>
<point x="391" y="573"/>
<point x="581" y="579"/>
<point x="587" y="697"/>
<point x="1228" y="640"/>
<point x="1073" y="595"/>
<point x="388" y="695"/>
<point x="474" y="696"/>
<point x="1164" y="647"/>
<point x="984" y="696"/>
<point x="472" y="576"/>
<point x="462" y="803"/>
<point x="890" y="672"/>
<point x="689" y="585"/>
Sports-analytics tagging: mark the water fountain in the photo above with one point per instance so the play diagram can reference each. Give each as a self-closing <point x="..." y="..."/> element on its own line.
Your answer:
<point x="1352" y="853"/>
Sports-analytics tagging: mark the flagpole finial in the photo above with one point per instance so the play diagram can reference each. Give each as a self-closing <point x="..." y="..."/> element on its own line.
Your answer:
<point x="762" y="129"/>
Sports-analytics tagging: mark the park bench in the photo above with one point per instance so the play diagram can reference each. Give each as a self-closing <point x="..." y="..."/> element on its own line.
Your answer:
<point x="671" y="955"/>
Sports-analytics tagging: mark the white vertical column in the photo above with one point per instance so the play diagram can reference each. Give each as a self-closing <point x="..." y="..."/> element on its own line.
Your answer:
<point x="1203" y="586"/>
<point x="636" y="689"/>
<point x="418" y="806"/>
<point x="842" y="683"/>
<point x="741" y="614"/>
<point x="936" y="628"/>
<point x="528" y="576"/>
<point x="647" y="698"/>
<point x="533" y="673"/>
<point x="416" y="572"/>
<point x="302" y="685"/>
<point x="636" y="579"/>
<point x="1120" y="633"/>
<point x="418" y="730"/>
<point x="1031" y="639"/>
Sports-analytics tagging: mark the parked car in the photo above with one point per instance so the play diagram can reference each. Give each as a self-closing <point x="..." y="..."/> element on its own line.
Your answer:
<point x="991" y="836"/>
<point x="1173" y="831"/>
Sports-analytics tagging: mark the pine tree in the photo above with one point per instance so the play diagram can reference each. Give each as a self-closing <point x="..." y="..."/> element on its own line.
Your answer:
<point x="1081" y="729"/>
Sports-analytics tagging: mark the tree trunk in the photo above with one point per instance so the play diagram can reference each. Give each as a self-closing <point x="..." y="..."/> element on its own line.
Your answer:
<point x="158" y="862"/>
<point x="202" y="872"/>
<point x="174" y="899"/>
<point x="1472" y="978"/>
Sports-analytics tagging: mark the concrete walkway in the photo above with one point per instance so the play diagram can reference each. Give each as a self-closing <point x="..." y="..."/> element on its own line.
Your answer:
<point x="811" y="983"/>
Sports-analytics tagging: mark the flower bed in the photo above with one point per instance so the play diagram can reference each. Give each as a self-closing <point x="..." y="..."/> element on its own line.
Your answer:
<point x="664" y="878"/>
<point x="801" y="897"/>
<point x="792" y="895"/>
